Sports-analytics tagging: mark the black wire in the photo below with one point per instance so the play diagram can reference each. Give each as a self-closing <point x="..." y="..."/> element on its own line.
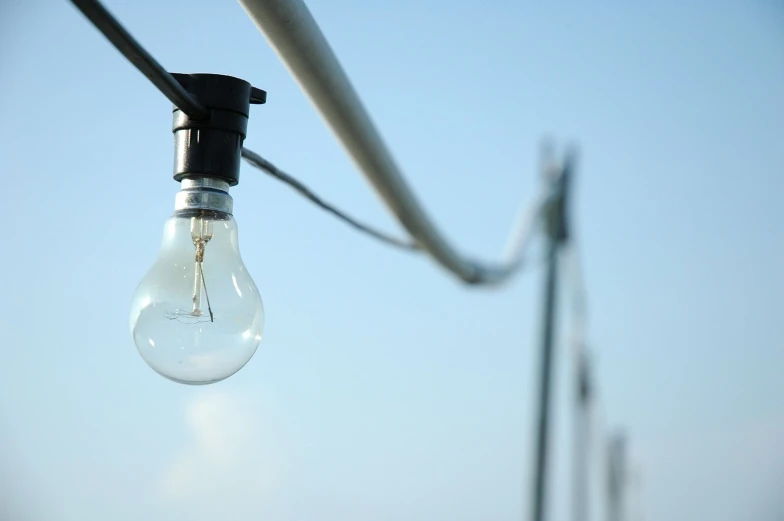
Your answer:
<point x="141" y="59"/>
<point x="262" y="164"/>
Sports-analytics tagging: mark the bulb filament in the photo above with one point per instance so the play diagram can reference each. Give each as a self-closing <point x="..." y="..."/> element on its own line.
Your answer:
<point x="201" y="233"/>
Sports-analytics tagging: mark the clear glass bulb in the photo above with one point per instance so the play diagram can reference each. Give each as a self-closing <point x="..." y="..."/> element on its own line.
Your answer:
<point x="197" y="316"/>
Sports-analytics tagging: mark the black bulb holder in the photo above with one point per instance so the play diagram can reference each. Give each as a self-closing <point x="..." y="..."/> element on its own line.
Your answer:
<point x="212" y="147"/>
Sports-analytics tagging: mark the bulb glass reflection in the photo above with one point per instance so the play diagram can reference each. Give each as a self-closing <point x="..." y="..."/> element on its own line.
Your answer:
<point x="197" y="316"/>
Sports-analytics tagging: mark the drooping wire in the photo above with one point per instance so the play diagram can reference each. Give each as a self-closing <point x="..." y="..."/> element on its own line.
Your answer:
<point x="262" y="164"/>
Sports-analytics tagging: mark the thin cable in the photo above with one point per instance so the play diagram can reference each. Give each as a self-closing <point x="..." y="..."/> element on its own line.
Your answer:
<point x="141" y="59"/>
<point x="262" y="164"/>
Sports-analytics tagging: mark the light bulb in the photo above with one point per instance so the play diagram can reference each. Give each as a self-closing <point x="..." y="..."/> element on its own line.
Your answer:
<point x="197" y="316"/>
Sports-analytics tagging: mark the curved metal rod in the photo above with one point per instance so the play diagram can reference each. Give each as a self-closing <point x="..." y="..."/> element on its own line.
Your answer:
<point x="293" y="33"/>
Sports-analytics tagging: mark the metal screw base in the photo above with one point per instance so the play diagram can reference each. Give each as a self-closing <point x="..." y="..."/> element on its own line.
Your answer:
<point x="204" y="193"/>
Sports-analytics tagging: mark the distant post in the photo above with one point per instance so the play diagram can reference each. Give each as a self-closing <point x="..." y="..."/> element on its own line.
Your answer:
<point x="582" y="432"/>
<point x="557" y="234"/>
<point x="616" y="478"/>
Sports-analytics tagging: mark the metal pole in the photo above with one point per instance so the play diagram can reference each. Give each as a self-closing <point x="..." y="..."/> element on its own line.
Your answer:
<point x="556" y="237"/>
<point x="296" y="37"/>
<point x="616" y="482"/>
<point x="581" y="436"/>
<point x="542" y="431"/>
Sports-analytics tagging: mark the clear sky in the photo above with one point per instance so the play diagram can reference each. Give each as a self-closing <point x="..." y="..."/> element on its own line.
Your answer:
<point x="383" y="389"/>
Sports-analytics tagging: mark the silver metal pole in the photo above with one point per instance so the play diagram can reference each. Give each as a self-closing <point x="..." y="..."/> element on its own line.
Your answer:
<point x="557" y="235"/>
<point x="616" y="478"/>
<point x="293" y="33"/>
<point x="582" y="432"/>
<point x="545" y="376"/>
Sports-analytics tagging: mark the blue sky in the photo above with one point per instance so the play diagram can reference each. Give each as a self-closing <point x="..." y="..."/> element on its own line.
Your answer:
<point x="383" y="389"/>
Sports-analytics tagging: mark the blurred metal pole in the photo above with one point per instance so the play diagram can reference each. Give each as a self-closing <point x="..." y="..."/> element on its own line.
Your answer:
<point x="582" y="430"/>
<point x="555" y="221"/>
<point x="542" y="430"/>
<point x="616" y="478"/>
